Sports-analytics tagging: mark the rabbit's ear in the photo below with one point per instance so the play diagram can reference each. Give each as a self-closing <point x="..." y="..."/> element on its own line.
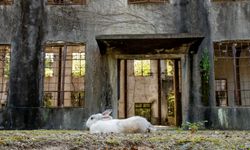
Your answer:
<point x="107" y="112"/>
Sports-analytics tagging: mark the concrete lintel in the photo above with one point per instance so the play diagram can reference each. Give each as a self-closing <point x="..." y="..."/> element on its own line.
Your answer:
<point x="149" y="43"/>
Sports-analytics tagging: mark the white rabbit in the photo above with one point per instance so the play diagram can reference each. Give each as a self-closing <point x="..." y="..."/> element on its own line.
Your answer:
<point x="100" y="116"/>
<point x="135" y="124"/>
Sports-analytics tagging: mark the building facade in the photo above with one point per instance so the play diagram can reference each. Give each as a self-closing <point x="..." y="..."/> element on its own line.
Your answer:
<point x="171" y="61"/>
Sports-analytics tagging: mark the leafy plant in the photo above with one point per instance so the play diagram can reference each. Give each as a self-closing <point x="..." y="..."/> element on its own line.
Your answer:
<point x="205" y="71"/>
<point x="7" y="66"/>
<point x="78" y="65"/>
<point x="47" y="99"/>
<point x="77" y="98"/>
<point x="142" y="68"/>
<point x="193" y="127"/>
<point x="49" y="60"/>
<point x="205" y="65"/>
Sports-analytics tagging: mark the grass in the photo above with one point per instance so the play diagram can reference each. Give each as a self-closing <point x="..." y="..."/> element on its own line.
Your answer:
<point x="163" y="139"/>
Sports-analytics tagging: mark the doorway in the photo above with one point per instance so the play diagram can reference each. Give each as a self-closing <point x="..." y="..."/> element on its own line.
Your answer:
<point x="150" y="88"/>
<point x="171" y="89"/>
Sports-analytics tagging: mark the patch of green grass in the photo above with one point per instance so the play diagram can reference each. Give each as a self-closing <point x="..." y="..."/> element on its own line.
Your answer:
<point x="158" y="139"/>
<point x="113" y="142"/>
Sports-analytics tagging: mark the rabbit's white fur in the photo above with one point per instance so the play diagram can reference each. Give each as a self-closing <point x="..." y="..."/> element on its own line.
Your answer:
<point x="100" y="116"/>
<point x="134" y="124"/>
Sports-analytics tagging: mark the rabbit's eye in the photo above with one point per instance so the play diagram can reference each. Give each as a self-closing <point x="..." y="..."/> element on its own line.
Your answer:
<point x="91" y="118"/>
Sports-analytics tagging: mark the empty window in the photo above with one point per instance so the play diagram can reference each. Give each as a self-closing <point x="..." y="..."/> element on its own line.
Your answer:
<point x="146" y="1"/>
<point x="143" y="109"/>
<point x="142" y="68"/>
<point x="232" y="64"/>
<point x="66" y="2"/>
<point x="49" y="60"/>
<point x="64" y="75"/>
<point x="6" y="2"/>
<point x="4" y="73"/>
<point x="77" y="98"/>
<point x="221" y="92"/>
<point x="78" y="64"/>
<point x="227" y="0"/>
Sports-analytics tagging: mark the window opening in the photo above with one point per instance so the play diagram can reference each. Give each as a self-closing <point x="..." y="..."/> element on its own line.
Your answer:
<point x="6" y="2"/>
<point x="78" y="64"/>
<point x="146" y="1"/>
<point x="170" y="96"/>
<point x="66" y="2"/>
<point x="221" y="92"/>
<point x="64" y="76"/>
<point x="77" y="98"/>
<point x="142" y="68"/>
<point x="49" y="60"/>
<point x="232" y="63"/>
<point x="4" y="74"/>
<point x="143" y="109"/>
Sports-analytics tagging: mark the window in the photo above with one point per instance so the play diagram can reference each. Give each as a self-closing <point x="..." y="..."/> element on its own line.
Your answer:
<point x="64" y="75"/>
<point x="142" y="68"/>
<point x="6" y="2"/>
<point x="232" y="64"/>
<point x="66" y="2"/>
<point x="47" y="99"/>
<point x="143" y="109"/>
<point x="4" y="73"/>
<point x="146" y="1"/>
<point x="221" y="92"/>
<point x="227" y="0"/>
<point x="77" y="98"/>
<point x="49" y="60"/>
<point x="78" y="64"/>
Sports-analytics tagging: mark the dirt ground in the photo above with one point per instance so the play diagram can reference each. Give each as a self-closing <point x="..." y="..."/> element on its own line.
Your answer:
<point x="160" y="139"/>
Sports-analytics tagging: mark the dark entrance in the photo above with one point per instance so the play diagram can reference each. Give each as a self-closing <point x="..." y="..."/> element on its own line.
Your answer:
<point x="160" y="98"/>
<point x="150" y="88"/>
<point x="171" y="88"/>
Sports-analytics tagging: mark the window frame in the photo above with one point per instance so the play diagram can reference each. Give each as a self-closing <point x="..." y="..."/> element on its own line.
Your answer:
<point x="218" y="101"/>
<point x="81" y="59"/>
<point x="5" y="50"/>
<point x="6" y="2"/>
<point x="142" y="69"/>
<point x="229" y="1"/>
<point x="52" y="2"/>
<point x="146" y="1"/>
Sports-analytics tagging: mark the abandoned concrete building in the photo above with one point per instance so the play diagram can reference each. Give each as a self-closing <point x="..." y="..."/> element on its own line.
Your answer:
<point x="171" y="61"/>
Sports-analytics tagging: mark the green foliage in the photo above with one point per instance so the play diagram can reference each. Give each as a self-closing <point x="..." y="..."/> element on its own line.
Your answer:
<point x="171" y="103"/>
<point x="141" y="67"/>
<point x="7" y="66"/>
<point x="193" y="127"/>
<point x="143" y="109"/>
<point x="170" y="67"/>
<point x="47" y="99"/>
<point x="205" y="71"/>
<point x="77" y="98"/>
<point x="205" y="65"/>
<point x="78" y="64"/>
<point x="49" y="60"/>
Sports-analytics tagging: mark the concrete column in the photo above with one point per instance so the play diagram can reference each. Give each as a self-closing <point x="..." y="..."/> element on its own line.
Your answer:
<point x="26" y="69"/>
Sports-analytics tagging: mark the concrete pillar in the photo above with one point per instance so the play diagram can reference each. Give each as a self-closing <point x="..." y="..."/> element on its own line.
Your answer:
<point x="25" y="91"/>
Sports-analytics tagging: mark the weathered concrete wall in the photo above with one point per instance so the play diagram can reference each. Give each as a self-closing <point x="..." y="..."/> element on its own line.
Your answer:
<point x="50" y="118"/>
<point x="64" y="118"/>
<point x="230" y="118"/>
<point x="230" y="21"/>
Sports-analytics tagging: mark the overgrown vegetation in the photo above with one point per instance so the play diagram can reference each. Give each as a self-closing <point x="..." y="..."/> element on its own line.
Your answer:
<point x="194" y="126"/>
<point x="205" y="67"/>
